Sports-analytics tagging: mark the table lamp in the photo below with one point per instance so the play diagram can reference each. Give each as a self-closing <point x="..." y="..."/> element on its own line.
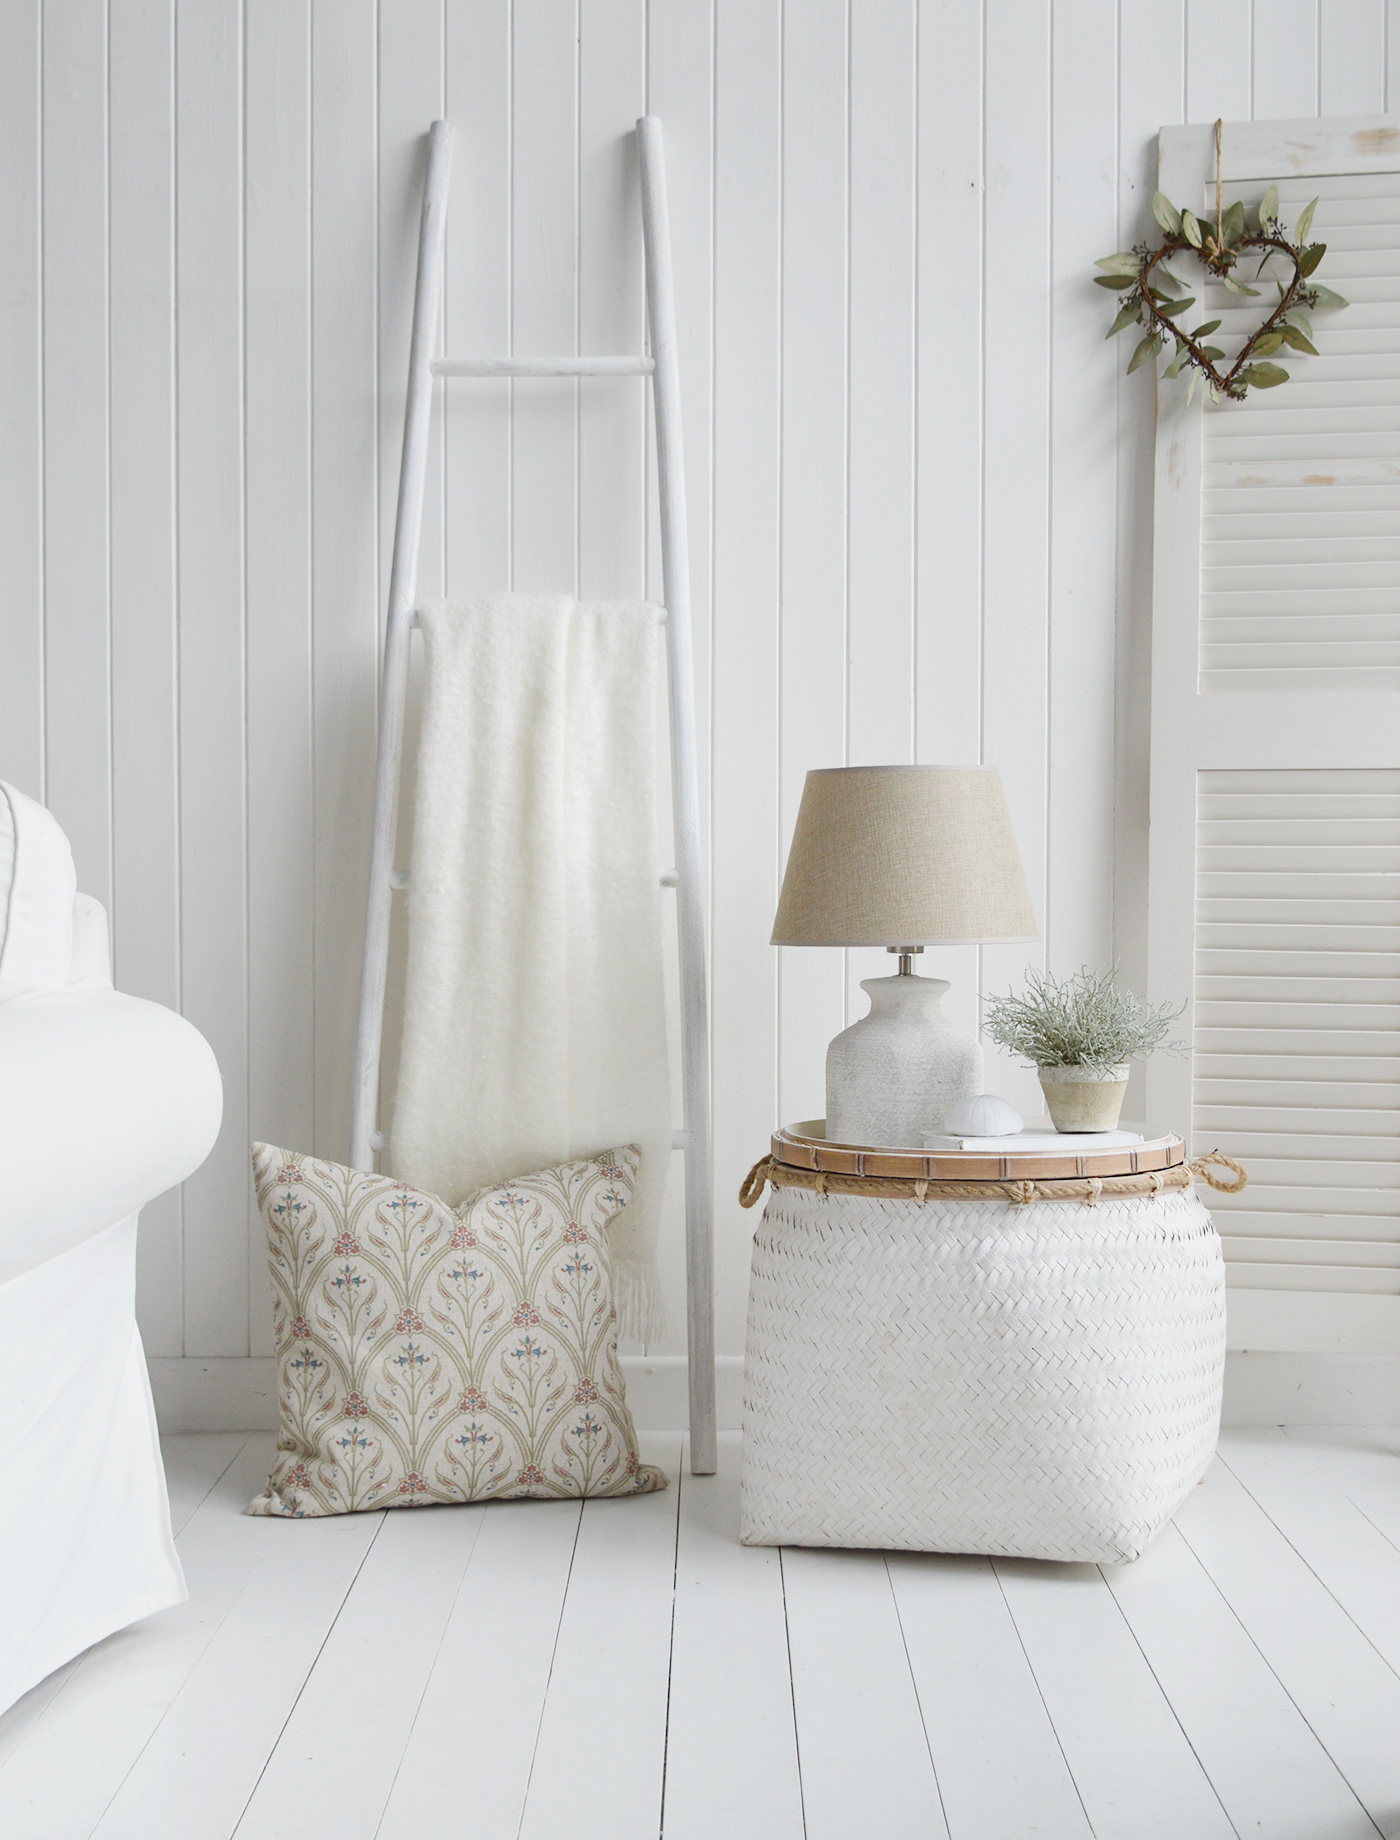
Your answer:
<point x="901" y="857"/>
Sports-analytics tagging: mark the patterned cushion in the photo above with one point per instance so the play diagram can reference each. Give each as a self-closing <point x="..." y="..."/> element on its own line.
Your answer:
<point x="436" y="1354"/>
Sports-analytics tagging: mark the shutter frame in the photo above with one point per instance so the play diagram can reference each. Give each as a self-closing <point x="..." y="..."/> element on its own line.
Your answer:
<point x="1256" y="721"/>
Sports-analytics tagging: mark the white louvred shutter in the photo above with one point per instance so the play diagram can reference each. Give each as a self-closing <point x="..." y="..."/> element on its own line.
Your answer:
<point x="1274" y="868"/>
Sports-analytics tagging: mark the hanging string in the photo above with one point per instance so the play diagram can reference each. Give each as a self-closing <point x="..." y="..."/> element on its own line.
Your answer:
<point x="1219" y="234"/>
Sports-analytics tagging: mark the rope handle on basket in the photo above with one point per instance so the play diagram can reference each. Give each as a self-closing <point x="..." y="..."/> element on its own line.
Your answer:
<point x="752" y="1187"/>
<point x="1202" y="1165"/>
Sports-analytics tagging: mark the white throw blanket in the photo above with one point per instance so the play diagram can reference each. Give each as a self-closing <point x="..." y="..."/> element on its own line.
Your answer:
<point x="534" y="1018"/>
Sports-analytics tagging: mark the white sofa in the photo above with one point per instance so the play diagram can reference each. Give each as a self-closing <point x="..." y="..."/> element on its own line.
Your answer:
<point x="105" y="1101"/>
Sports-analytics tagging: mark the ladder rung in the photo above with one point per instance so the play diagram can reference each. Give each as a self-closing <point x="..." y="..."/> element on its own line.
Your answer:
<point x="398" y="878"/>
<point x="414" y="618"/>
<point x="543" y="367"/>
<point x="379" y="1140"/>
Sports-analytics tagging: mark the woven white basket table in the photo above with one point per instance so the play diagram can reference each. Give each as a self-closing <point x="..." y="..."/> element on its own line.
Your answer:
<point x="975" y="1359"/>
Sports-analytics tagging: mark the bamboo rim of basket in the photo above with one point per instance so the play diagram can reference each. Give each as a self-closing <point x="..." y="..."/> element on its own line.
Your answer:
<point x="803" y="1146"/>
<point x="1020" y="1192"/>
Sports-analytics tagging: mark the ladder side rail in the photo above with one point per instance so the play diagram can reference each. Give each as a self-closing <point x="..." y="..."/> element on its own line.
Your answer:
<point x="675" y="565"/>
<point x="403" y="586"/>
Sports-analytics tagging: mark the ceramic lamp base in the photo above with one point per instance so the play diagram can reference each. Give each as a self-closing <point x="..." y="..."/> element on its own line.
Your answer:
<point x="899" y="1071"/>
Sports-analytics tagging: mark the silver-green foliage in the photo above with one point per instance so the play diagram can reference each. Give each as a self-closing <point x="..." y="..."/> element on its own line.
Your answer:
<point x="1081" y="1021"/>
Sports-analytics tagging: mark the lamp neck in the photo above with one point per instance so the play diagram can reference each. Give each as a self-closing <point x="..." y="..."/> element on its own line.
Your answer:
<point x="906" y="958"/>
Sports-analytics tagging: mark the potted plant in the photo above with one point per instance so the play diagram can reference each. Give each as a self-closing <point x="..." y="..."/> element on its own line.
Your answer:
<point x="1080" y="1034"/>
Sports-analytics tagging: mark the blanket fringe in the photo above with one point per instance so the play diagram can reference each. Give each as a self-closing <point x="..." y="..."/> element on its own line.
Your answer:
<point x="641" y="1309"/>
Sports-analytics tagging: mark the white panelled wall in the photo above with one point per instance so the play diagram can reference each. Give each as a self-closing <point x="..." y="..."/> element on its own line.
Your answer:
<point x="919" y="486"/>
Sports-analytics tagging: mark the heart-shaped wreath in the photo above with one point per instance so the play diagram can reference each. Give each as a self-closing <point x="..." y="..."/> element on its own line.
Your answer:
<point x="1156" y="298"/>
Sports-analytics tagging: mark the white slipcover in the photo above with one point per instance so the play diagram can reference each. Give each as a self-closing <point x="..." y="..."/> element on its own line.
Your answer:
<point x="105" y="1102"/>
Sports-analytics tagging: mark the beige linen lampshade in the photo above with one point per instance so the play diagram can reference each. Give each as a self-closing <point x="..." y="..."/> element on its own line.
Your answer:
<point x="903" y="856"/>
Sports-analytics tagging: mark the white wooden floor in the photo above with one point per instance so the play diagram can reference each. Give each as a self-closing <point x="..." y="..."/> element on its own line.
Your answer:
<point x="533" y="1670"/>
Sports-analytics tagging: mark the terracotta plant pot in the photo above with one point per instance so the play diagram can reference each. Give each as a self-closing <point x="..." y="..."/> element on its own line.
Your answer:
<point x="1084" y="1098"/>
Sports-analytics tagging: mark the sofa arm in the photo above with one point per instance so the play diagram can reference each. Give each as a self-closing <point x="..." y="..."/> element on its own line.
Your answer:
<point x="106" y="1101"/>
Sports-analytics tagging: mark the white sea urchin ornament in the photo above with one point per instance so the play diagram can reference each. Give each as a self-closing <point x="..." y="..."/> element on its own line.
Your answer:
<point x="983" y="1115"/>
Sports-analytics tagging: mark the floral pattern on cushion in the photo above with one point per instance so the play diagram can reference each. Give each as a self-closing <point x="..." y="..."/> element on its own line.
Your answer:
<point x="435" y="1354"/>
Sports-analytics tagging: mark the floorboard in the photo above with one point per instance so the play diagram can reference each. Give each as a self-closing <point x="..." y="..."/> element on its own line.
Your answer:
<point x="861" y="1747"/>
<point x="1339" y="1683"/>
<point x="616" y="1627"/>
<point x="1269" y="1770"/>
<point x="731" y="1750"/>
<point x="1342" y="1546"/>
<point x="1000" y="1769"/>
<point x="194" y="1777"/>
<point x="376" y="1659"/>
<point x="1364" y="1463"/>
<point x="474" y="1735"/>
<point x="194" y="1463"/>
<point x="1134" y="1768"/>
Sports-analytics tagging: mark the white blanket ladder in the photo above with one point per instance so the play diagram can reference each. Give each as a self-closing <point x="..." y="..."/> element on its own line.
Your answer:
<point x="661" y="367"/>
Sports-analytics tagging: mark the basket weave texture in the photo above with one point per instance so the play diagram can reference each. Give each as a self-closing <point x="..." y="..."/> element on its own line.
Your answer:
<point x="973" y="1376"/>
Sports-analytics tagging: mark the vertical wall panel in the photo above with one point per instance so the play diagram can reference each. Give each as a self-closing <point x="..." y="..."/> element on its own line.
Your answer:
<point x="77" y="728"/>
<point x="1151" y="60"/>
<point x="544" y="296"/>
<point x="1285" y="58"/>
<point x="410" y="95"/>
<point x="611" y="300"/>
<point x="919" y="494"/>
<point x="21" y="409"/>
<point x="145" y="737"/>
<point x="681" y="90"/>
<point x="1016" y="444"/>
<point x="344" y="474"/>
<point x="209" y="230"/>
<point x="1078" y="924"/>
<point x="812" y="689"/>
<point x="281" y="816"/>
<point x="1219" y="59"/>
<point x="477" y="297"/>
<point x="1348" y="84"/>
<point x="949" y="395"/>
<point x="748" y="240"/>
<point x="880" y="541"/>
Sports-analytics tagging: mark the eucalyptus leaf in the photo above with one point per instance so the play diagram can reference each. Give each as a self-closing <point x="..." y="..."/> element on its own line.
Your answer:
<point x="1300" y="235"/>
<point x="1166" y="213"/>
<point x="1176" y="281"/>
<point x="1232" y="223"/>
<point x="1209" y="326"/>
<point x="1174" y="368"/>
<point x="1268" y="206"/>
<point x="1270" y="343"/>
<point x="1129" y="316"/>
<point x="1170" y="307"/>
<point x="1238" y="287"/>
<point x="1145" y="352"/>
<point x="1310" y="258"/>
<point x="1193" y="380"/>
<point x="1124" y="263"/>
<point x="1324" y="300"/>
<point x="1264" y="376"/>
<point x="1301" y="321"/>
<point x="1296" y="338"/>
<point x="1190" y="229"/>
<point x="1113" y="281"/>
<point x="1212" y="351"/>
